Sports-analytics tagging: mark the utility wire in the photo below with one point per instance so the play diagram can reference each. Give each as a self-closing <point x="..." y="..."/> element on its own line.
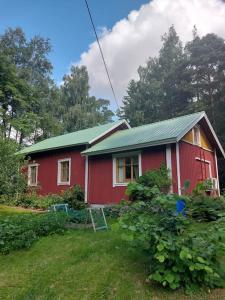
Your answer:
<point x="103" y="59"/>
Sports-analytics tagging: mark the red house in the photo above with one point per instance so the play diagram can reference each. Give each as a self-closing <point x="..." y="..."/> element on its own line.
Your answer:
<point x="104" y="159"/>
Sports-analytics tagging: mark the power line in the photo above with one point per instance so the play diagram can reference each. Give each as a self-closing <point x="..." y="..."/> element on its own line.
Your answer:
<point x="103" y="59"/>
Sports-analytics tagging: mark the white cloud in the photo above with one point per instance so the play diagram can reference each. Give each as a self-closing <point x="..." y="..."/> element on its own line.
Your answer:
<point x="132" y="40"/>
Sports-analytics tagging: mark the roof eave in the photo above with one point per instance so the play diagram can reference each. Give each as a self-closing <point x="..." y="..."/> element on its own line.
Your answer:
<point x="129" y="147"/>
<point x="54" y="148"/>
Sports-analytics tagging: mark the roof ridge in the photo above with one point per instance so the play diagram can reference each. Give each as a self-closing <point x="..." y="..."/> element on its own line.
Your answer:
<point x="200" y="112"/>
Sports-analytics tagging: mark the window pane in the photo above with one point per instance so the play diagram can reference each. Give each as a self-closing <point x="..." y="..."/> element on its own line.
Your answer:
<point x="127" y="169"/>
<point x="33" y="174"/>
<point x="64" y="171"/>
<point x="135" y="172"/>
<point x="196" y="136"/>
<point x="120" y="172"/>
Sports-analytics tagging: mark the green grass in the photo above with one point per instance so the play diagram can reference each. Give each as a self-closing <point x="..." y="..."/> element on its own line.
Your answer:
<point x="82" y="265"/>
<point x="8" y="210"/>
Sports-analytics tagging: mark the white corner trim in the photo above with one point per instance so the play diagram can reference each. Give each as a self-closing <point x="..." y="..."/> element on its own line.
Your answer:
<point x="86" y="180"/>
<point x="217" y="174"/>
<point x="109" y="130"/>
<point x="114" y="157"/>
<point x="178" y="168"/>
<point x="59" y="171"/>
<point x="140" y="164"/>
<point x="29" y="174"/>
<point x="169" y="163"/>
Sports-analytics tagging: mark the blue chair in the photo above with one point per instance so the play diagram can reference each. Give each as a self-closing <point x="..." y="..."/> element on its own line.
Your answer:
<point x="180" y="207"/>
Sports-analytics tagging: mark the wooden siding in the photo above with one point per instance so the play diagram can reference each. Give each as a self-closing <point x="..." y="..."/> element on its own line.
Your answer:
<point x="193" y="169"/>
<point x="100" y="183"/>
<point x="48" y="168"/>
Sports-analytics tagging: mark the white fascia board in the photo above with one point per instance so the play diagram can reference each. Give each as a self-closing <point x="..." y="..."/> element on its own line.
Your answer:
<point x="210" y="127"/>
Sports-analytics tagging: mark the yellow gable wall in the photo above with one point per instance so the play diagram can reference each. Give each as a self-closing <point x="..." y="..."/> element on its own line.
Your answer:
<point x="203" y="138"/>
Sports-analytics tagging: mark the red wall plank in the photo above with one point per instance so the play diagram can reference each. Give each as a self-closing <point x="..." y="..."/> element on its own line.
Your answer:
<point x="48" y="167"/>
<point x="101" y="190"/>
<point x="192" y="169"/>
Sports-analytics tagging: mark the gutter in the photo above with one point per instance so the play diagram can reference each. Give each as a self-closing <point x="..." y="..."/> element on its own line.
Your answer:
<point x="129" y="147"/>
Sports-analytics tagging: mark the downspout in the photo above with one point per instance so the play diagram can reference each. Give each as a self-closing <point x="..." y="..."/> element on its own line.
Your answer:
<point x="86" y="179"/>
<point x="169" y="164"/>
<point x="178" y="168"/>
<point x="217" y="175"/>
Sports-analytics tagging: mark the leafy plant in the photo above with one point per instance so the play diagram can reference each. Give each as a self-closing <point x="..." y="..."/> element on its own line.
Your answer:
<point x="181" y="252"/>
<point x="202" y="187"/>
<point x="149" y="185"/>
<point x="205" y="209"/>
<point x="74" y="196"/>
<point x="20" y="231"/>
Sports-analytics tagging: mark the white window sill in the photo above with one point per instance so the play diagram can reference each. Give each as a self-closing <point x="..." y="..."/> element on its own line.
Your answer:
<point x="120" y="184"/>
<point x="63" y="183"/>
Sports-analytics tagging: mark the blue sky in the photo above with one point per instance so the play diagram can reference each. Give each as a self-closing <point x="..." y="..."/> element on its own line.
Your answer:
<point x="66" y="23"/>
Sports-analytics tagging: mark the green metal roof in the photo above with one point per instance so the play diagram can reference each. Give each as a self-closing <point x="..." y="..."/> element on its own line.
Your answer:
<point x="163" y="132"/>
<point x="81" y="137"/>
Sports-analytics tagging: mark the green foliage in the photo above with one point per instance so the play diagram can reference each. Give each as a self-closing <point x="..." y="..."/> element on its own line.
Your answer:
<point x="12" y="181"/>
<point x="202" y="187"/>
<point x="181" y="80"/>
<point x="149" y="185"/>
<point x="79" y="109"/>
<point x="206" y="209"/>
<point x="20" y="231"/>
<point x="32" y="200"/>
<point x="180" y="252"/>
<point x="74" y="196"/>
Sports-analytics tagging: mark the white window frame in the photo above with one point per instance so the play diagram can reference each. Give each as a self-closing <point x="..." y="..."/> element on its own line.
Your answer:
<point x="59" y="182"/>
<point x="196" y="127"/>
<point x="127" y="154"/>
<point x="29" y="174"/>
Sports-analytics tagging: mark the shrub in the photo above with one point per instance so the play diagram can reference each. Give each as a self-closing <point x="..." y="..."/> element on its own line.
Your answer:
<point x="20" y="231"/>
<point x="205" y="209"/>
<point x="149" y="185"/>
<point x="74" y="196"/>
<point x="181" y="252"/>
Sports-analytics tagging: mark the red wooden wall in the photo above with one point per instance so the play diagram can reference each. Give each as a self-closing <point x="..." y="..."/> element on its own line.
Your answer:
<point x="48" y="167"/>
<point x="100" y="181"/>
<point x="192" y="169"/>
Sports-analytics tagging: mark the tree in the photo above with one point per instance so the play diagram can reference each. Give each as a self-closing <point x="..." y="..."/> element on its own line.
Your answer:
<point x="12" y="180"/>
<point x="79" y="110"/>
<point x="161" y="90"/>
<point x="31" y="64"/>
<point x="181" y="80"/>
<point x="13" y="93"/>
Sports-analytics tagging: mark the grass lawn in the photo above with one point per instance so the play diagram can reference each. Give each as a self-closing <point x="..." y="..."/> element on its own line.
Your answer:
<point x="8" y="210"/>
<point x="82" y="265"/>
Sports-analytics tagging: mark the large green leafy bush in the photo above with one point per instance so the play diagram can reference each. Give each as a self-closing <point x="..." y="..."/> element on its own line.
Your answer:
<point x="150" y="184"/>
<point x="20" y="231"/>
<point x="74" y="196"/>
<point x="181" y="252"/>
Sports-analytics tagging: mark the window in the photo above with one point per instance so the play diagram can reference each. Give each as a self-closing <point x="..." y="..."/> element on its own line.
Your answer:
<point x="32" y="174"/>
<point x="126" y="169"/>
<point x="196" y="135"/>
<point x="64" y="166"/>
